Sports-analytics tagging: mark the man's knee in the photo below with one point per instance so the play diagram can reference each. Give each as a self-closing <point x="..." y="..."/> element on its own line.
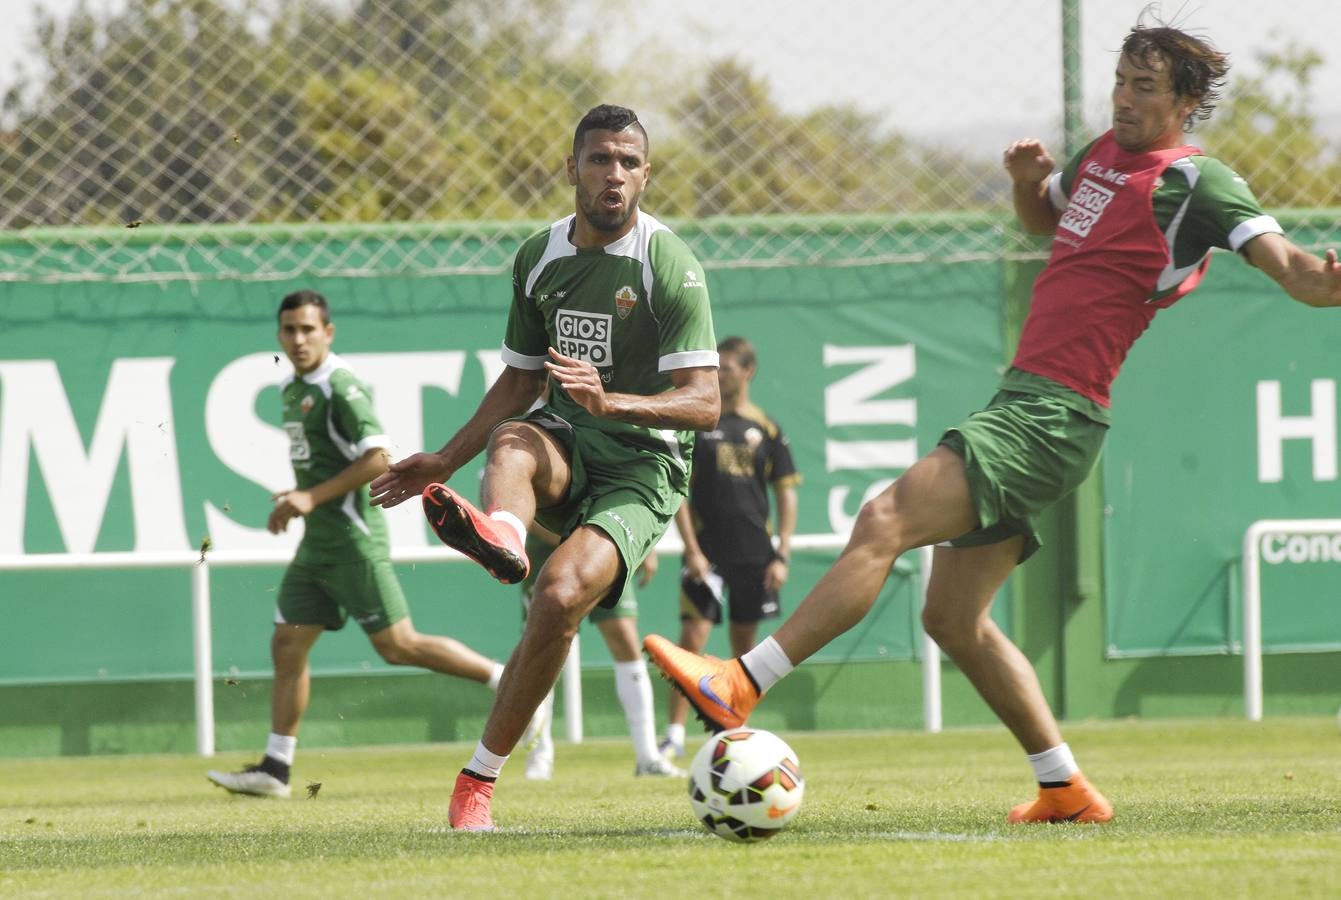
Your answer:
<point x="558" y="605"/>
<point x="397" y="646"/>
<point x="953" y="624"/>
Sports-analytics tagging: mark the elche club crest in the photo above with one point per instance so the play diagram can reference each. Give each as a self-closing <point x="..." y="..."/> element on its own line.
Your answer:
<point x="625" y="299"/>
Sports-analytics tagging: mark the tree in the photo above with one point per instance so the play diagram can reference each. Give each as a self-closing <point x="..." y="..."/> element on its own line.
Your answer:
<point x="1267" y="131"/>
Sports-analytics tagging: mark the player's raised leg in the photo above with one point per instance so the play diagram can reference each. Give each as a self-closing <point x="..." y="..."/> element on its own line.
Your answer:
<point x="929" y="503"/>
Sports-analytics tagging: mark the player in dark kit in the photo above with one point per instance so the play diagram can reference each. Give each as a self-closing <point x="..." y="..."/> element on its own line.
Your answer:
<point x="1134" y="217"/>
<point x="728" y="549"/>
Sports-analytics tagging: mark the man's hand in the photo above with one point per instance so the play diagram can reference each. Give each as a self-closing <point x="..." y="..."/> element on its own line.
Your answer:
<point x="1028" y="161"/>
<point x="1331" y="273"/>
<point x="775" y="574"/>
<point x="288" y="505"/>
<point x="407" y="478"/>
<point x="648" y="569"/>
<point x="581" y="380"/>
<point x="696" y="565"/>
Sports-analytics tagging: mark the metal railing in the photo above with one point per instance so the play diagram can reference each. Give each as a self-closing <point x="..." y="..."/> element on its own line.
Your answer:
<point x="202" y="638"/>
<point x="1252" y="599"/>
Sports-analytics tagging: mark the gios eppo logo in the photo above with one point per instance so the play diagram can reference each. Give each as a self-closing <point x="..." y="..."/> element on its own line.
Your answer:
<point x="584" y="336"/>
<point x="1087" y="204"/>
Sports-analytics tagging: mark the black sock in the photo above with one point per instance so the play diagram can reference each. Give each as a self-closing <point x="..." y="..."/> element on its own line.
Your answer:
<point x="275" y="768"/>
<point x="487" y="779"/>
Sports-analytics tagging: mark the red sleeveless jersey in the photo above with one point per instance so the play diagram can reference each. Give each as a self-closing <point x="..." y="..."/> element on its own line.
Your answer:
<point x="1096" y="295"/>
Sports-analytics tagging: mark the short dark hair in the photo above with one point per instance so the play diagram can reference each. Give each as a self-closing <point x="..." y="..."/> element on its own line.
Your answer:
<point x="740" y="348"/>
<point x="306" y="298"/>
<point x="1196" y="69"/>
<point x="608" y="118"/>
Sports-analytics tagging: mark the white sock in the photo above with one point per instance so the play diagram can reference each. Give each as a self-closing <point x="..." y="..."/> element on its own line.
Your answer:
<point x="281" y="747"/>
<point x="502" y="515"/>
<point x="675" y="733"/>
<point x="544" y="746"/>
<point x="485" y="762"/>
<point x="1053" y="765"/>
<point x="494" y="677"/>
<point x="635" y="695"/>
<point x="767" y="664"/>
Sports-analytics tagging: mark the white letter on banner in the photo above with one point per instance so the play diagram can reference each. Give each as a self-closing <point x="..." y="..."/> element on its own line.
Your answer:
<point x="397" y="382"/>
<point x="848" y="400"/>
<point x="249" y="446"/>
<point x="136" y="414"/>
<point x="1273" y="430"/>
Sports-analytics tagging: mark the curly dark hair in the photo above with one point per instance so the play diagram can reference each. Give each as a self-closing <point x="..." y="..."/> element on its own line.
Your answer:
<point x="1196" y="69"/>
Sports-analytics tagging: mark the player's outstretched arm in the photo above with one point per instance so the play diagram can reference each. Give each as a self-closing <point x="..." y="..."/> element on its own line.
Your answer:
<point x="1305" y="277"/>
<point x="1029" y="164"/>
<point x="291" y="504"/>
<point x="694" y="403"/>
<point x="511" y="395"/>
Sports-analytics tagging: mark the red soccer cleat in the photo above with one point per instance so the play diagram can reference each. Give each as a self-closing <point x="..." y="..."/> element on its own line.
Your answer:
<point x="461" y="526"/>
<point x="469" y="810"/>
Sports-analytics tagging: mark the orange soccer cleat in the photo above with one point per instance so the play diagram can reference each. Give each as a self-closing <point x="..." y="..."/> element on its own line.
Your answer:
<point x="1073" y="800"/>
<point x="461" y="526"/>
<point x="721" y="691"/>
<point x="469" y="809"/>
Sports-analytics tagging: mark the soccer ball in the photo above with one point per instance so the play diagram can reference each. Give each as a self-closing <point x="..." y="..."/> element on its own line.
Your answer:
<point x="745" y="784"/>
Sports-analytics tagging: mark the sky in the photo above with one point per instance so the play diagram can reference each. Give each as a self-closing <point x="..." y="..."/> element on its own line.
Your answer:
<point x="963" y="73"/>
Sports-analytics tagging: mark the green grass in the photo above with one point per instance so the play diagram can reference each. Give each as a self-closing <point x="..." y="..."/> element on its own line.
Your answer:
<point x="1208" y="808"/>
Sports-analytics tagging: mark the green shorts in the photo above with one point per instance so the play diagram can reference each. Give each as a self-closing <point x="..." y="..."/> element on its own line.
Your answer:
<point x="538" y="551"/>
<point x="328" y="593"/>
<point x="626" y="491"/>
<point x="1022" y="453"/>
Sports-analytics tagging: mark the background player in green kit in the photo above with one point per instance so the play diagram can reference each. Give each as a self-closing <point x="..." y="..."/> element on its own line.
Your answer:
<point x="1133" y="219"/>
<point x="342" y="568"/>
<point x="611" y="308"/>
<point x="728" y="548"/>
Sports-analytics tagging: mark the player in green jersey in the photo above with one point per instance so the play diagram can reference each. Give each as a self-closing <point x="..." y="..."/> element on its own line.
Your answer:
<point x="610" y="308"/>
<point x="342" y="568"/>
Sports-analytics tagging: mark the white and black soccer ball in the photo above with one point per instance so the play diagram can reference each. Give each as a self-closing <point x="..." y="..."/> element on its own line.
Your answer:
<point x="745" y="784"/>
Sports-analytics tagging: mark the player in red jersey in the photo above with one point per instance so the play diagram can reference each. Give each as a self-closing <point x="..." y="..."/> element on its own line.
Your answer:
<point x="1134" y="217"/>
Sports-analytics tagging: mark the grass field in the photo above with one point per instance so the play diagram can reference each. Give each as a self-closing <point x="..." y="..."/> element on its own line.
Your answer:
<point x="1204" y="808"/>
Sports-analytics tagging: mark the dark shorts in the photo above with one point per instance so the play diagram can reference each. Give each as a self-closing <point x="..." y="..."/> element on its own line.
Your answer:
<point x="327" y="594"/>
<point x="623" y="490"/>
<point x="743" y="587"/>
<point x="1022" y="453"/>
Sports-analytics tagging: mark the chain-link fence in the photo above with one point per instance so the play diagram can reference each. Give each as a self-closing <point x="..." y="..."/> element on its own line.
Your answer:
<point x="145" y="139"/>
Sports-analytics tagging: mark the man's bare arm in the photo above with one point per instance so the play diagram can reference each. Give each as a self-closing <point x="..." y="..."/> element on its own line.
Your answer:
<point x="1030" y="165"/>
<point x="1305" y="277"/>
<point x="511" y="395"/>
<point x="694" y="403"/>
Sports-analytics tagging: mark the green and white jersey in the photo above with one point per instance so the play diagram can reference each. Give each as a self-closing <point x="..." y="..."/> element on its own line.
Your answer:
<point x="329" y="419"/>
<point x="1199" y="204"/>
<point x="636" y="309"/>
